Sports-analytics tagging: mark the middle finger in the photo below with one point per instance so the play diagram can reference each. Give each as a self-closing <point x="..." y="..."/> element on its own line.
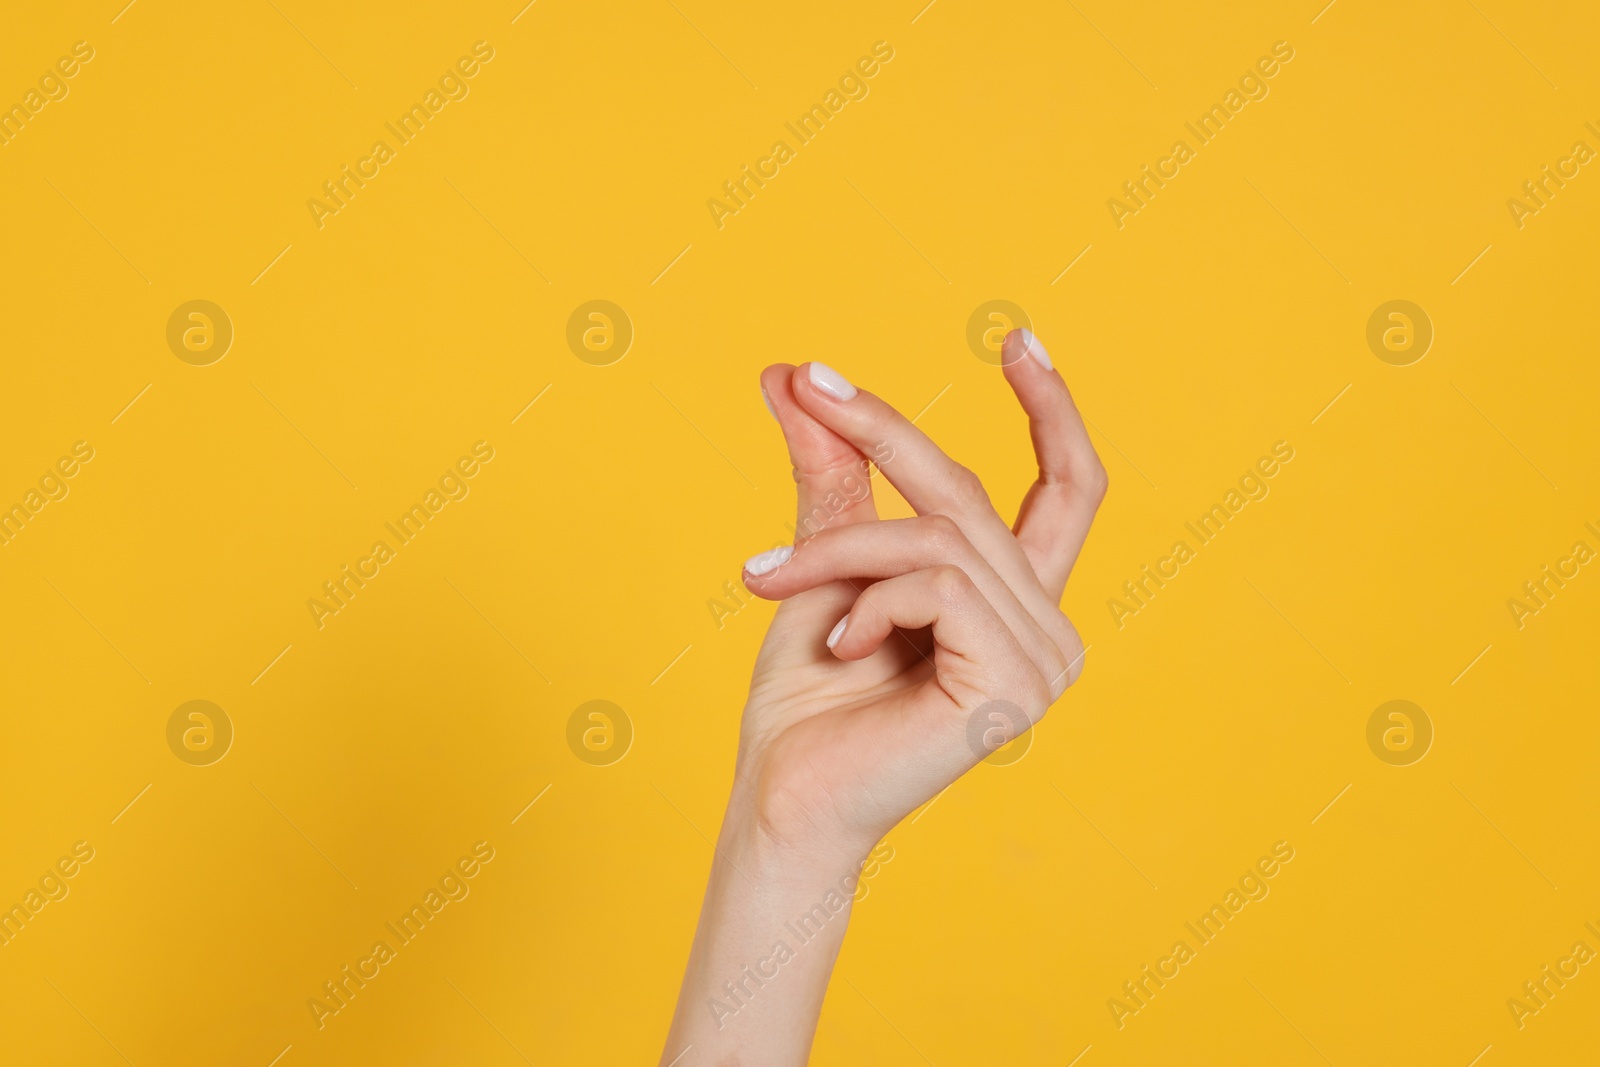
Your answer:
<point x="892" y="547"/>
<point x="931" y="482"/>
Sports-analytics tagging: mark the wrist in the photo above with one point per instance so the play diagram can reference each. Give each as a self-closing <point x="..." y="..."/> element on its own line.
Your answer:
<point x="774" y="917"/>
<point x="793" y="830"/>
<point x="769" y="871"/>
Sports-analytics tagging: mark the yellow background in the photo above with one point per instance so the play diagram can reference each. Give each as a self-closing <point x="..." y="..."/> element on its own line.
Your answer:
<point x="430" y="712"/>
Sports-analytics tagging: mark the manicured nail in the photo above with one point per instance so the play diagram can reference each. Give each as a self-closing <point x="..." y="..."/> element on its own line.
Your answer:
<point x="768" y="561"/>
<point x="767" y="400"/>
<point x="831" y="382"/>
<point x="1035" y="348"/>
<point x="838" y="632"/>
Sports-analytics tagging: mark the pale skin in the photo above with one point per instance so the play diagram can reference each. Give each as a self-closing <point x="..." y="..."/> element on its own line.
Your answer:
<point x="931" y="620"/>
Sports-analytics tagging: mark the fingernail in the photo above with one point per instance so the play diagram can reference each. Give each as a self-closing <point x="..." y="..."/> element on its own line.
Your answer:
<point x="1035" y="348"/>
<point x="838" y="631"/>
<point x="767" y="400"/>
<point x="768" y="561"/>
<point x="831" y="382"/>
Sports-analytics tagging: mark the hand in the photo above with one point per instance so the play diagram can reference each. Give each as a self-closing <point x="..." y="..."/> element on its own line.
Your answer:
<point x="893" y="636"/>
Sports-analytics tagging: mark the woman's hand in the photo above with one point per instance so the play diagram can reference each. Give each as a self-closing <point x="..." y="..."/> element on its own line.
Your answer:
<point x="904" y="651"/>
<point x="894" y="634"/>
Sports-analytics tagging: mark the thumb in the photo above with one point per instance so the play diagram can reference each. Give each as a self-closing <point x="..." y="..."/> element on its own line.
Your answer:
<point x="831" y="475"/>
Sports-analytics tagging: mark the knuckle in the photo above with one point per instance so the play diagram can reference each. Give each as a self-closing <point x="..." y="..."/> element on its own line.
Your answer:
<point x="1059" y="680"/>
<point x="1039" y="695"/>
<point x="951" y="583"/>
<point x="1064" y="656"/>
<point x="1063" y="635"/>
<point x="1055" y="674"/>
<point x="1095" y="480"/>
<point x="943" y="534"/>
<point x="1073" y="650"/>
<point x="966" y="489"/>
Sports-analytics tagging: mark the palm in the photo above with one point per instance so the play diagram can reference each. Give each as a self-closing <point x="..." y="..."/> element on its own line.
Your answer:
<point x="824" y="728"/>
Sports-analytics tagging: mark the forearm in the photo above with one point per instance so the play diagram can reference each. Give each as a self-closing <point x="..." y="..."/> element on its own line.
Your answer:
<point x="769" y="933"/>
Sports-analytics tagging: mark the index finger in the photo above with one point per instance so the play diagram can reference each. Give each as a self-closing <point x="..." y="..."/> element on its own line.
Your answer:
<point x="931" y="482"/>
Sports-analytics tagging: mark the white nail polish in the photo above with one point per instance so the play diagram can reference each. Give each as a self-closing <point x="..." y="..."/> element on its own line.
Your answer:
<point x="767" y="400"/>
<point x="768" y="561"/>
<point x="1035" y="348"/>
<point x="831" y="382"/>
<point x="838" y="632"/>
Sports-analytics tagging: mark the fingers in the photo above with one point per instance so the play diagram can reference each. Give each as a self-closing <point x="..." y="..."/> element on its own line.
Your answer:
<point x="976" y="658"/>
<point x="923" y="732"/>
<point x="893" y="547"/>
<point x="931" y="482"/>
<point x="1056" y="513"/>
<point x="830" y="473"/>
